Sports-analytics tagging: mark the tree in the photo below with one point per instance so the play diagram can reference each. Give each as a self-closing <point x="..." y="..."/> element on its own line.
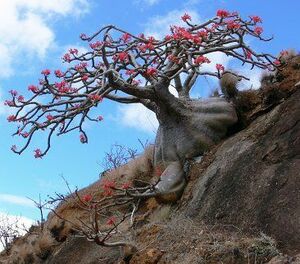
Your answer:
<point x="129" y="68"/>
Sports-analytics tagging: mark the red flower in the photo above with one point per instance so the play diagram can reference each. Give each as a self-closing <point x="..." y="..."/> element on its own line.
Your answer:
<point x="130" y="72"/>
<point x="277" y="62"/>
<point x="46" y="72"/>
<point x="14" y="93"/>
<point x="37" y="153"/>
<point x="126" y="37"/>
<point x="219" y="67"/>
<point x="231" y="24"/>
<point x="67" y="57"/>
<point x="111" y="220"/>
<point x="222" y="13"/>
<point x="168" y="37"/>
<point x="126" y="185"/>
<point x="49" y="117"/>
<point x="151" y="72"/>
<point x="73" y="51"/>
<point x="122" y="56"/>
<point x="87" y="198"/>
<point x="9" y="103"/>
<point x="21" y="98"/>
<point x="258" y="30"/>
<point x="81" y="66"/>
<point x="108" y="187"/>
<point x="58" y="73"/>
<point x="186" y="17"/>
<point x="248" y="55"/>
<point x="203" y="33"/>
<point x="95" y="97"/>
<point x="25" y="134"/>
<point x="256" y="19"/>
<point x="201" y="59"/>
<point x="62" y="87"/>
<point x="100" y="118"/>
<point x="84" y="77"/>
<point x="11" y="118"/>
<point x="96" y="44"/>
<point x="33" y="88"/>
<point x="83" y="138"/>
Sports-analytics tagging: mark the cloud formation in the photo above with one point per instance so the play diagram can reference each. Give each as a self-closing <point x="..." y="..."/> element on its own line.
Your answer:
<point x="25" y="30"/>
<point x="17" y="200"/>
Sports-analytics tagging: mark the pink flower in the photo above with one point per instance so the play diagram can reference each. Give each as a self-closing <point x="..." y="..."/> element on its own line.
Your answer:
<point x="96" y="44"/>
<point x="283" y="53"/>
<point x="122" y="56"/>
<point x="186" y="17"/>
<point x="83" y="138"/>
<point x="248" y="55"/>
<point x="130" y="72"/>
<point x="73" y="51"/>
<point x="277" y="62"/>
<point x="81" y="66"/>
<point x="25" y="134"/>
<point x="67" y="57"/>
<point x="256" y="19"/>
<point x="108" y="186"/>
<point x="46" y="72"/>
<point x="201" y="59"/>
<point x="21" y="98"/>
<point x="151" y="72"/>
<point x="49" y="117"/>
<point x="222" y="13"/>
<point x="100" y="118"/>
<point x="33" y="88"/>
<point x="37" y="153"/>
<point x="9" y="103"/>
<point x="11" y="118"/>
<point x="126" y="37"/>
<point x="14" y="93"/>
<point x="84" y="77"/>
<point x="203" y="33"/>
<point x="258" y="30"/>
<point x="231" y="24"/>
<point x="62" y="87"/>
<point x="219" y="67"/>
<point x="95" y="97"/>
<point x="58" y="73"/>
<point x="87" y="198"/>
<point x="111" y="220"/>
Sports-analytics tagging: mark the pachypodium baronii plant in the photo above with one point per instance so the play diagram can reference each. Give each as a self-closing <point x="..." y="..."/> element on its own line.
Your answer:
<point x="129" y="68"/>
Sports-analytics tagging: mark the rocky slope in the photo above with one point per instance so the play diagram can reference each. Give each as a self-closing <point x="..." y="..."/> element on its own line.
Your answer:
<point x="241" y="204"/>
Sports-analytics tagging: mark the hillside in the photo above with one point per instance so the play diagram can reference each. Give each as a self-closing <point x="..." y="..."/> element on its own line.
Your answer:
<point x="241" y="203"/>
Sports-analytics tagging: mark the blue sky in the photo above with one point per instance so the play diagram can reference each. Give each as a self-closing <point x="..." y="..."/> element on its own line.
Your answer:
<point x="35" y="34"/>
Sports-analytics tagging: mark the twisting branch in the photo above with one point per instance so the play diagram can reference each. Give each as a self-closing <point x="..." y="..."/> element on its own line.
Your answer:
<point x="129" y="68"/>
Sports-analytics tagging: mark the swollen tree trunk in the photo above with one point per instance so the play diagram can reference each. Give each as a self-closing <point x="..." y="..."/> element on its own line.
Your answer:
<point x="187" y="128"/>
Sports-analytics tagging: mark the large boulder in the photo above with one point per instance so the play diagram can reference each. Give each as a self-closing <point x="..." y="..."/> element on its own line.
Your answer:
<point x="253" y="178"/>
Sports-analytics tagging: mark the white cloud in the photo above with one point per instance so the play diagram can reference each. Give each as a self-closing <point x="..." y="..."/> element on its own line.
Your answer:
<point x="159" y="26"/>
<point x="147" y="2"/>
<point x="25" y="30"/>
<point x="17" y="223"/>
<point x="17" y="200"/>
<point x="139" y="117"/>
<point x="254" y="76"/>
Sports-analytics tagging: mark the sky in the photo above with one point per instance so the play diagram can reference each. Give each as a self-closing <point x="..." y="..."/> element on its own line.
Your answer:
<point x="34" y="35"/>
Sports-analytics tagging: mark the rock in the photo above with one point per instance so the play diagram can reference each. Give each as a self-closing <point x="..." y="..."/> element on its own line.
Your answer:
<point x="254" y="179"/>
